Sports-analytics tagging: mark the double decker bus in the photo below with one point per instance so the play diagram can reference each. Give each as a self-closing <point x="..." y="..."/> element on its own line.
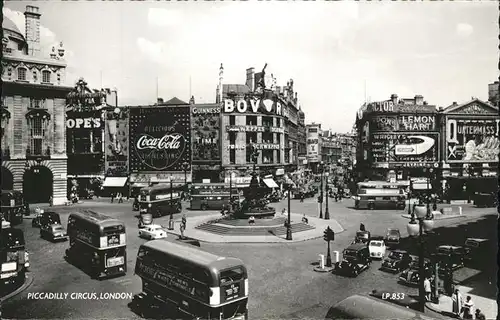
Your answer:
<point x="213" y="196"/>
<point x="12" y="257"/>
<point x="159" y="200"/>
<point x="13" y="206"/>
<point x="194" y="283"/>
<point x="97" y="242"/>
<point x="381" y="194"/>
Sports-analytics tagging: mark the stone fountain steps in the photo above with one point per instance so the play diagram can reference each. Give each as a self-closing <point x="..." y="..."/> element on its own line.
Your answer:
<point x="253" y="231"/>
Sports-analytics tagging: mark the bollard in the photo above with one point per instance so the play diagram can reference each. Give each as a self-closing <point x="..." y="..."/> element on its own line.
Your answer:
<point x="336" y="256"/>
<point x="460" y="210"/>
<point x="322" y="261"/>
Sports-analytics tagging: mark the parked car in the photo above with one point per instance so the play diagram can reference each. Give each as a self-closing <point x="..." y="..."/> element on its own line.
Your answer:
<point x="411" y="276"/>
<point x="45" y="218"/>
<point x="53" y="232"/>
<point x="477" y="247"/>
<point x="377" y="248"/>
<point x="393" y="237"/>
<point x="454" y="255"/>
<point x="397" y="261"/>
<point x="355" y="259"/>
<point x="153" y="231"/>
<point x="275" y="197"/>
<point x="485" y="199"/>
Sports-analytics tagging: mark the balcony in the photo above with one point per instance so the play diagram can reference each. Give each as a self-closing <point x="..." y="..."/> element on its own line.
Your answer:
<point x="5" y="154"/>
<point x="40" y="155"/>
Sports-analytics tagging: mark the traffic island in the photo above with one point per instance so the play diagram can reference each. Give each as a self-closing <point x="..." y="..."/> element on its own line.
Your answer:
<point x="323" y="269"/>
<point x="216" y="229"/>
<point x="27" y="283"/>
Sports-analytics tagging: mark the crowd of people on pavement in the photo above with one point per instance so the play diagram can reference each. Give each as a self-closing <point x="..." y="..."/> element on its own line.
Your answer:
<point x="465" y="309"/>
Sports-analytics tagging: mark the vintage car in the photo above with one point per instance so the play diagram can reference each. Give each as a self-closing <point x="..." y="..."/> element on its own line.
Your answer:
<point x="26" y="260"/>
<point x="45" y="218"/>
<point x="411" y="276"/>
<point x="477" y="249"/>
<point x="274" y="197"/>
<point x="454" y="255"/>
<point x="355" y="259"/>
<point x="397" y="261"/>
<point x="392" y="237"/>
<point x="377" y="248"/>
<point x="362" y="237"/>
<point x="153" y="231"/>
<point x="53" y="232"/>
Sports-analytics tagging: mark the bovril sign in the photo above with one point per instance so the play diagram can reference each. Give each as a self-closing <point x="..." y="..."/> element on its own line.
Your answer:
<point x="255" y="106"/>
<point x="86" y="123"/>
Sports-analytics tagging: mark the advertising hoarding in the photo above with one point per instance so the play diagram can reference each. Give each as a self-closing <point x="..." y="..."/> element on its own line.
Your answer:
<point x="160" y="138"/>
<point x="206" y="122"/>
<point x="404" y="122"/>
<point x="409" y="149"/>
<point x="472" y="140"/>
<point x="116" y="143"/>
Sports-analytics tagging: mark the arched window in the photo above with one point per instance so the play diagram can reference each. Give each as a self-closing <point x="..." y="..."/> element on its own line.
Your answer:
<point x="38" y="121"/>
<point x="46" y="76"/>
<point x="21" y="74"/>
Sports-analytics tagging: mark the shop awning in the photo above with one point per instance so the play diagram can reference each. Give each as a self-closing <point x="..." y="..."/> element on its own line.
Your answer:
<point x="270" y="183"/>
<point x="114" y="182"/>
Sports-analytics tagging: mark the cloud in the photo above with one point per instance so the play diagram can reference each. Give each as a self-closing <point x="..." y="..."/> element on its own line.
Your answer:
<point x="155" y="51"/>
<point x="163" y="17"/>
<point x="464" y="29"/>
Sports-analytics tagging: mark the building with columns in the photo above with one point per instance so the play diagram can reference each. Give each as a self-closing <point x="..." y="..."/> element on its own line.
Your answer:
<point x="33" y="131"/>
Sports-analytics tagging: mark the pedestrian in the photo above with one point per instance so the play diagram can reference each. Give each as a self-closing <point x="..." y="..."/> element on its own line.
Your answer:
<point x="120" y="197"/>
<point x="427" y="289"/>
<point x="468" y="308"/>
<point x="302" y="197"/>
<point x="457" y="302"/>
<point x="112" y="197"/>
<point x="480" y="315"/>
<point x="362" y="227"/>
<point x="283" y="212"/>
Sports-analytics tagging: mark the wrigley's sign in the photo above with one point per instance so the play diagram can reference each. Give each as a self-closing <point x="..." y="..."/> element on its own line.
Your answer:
<point x="255" y="106"/>
<point x="250" y="128"/>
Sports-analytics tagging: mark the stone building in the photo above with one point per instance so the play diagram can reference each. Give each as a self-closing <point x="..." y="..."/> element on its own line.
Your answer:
<point x="33" y="131"/>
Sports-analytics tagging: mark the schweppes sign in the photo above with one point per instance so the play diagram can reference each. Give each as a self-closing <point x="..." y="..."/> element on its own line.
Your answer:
<point x="255" y="106"/>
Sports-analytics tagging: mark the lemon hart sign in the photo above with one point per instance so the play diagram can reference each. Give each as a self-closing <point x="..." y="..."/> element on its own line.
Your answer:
<point x="160" y="138"/>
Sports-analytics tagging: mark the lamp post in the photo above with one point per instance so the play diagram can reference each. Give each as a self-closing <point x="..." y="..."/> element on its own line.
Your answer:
<point x="230" y="191"/>
<point x="185" y="167"/>
<point x="409" y="196"/>
<point x="327" y="213"/>
<point x="289" y="223"/>
<point x="421" y="220"/>
<point x="171" y="220"/>
<point x="320" y="200"/>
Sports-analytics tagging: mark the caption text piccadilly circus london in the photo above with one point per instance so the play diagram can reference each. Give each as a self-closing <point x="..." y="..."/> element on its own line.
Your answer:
<point x="80" y="296"/>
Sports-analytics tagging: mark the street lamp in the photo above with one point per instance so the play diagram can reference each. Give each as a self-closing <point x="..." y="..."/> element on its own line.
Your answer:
<point x="409" y="196"/>
<point x="421" y="220"/>
<point x="289" y="222"/>
<point x="327" y="213"/>
<point x="230" y="191"/>
<point x="320" y="200"/>
<point x="171" y="221"/>
<point x="185" y="167"/>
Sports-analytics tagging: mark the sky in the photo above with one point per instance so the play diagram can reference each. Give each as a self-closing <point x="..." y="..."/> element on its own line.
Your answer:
<point x="339" y="54"/>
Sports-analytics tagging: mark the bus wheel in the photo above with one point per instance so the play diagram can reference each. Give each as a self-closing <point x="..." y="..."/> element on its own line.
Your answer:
<point x="371" y="206"/>
<point x="204" y="207"/>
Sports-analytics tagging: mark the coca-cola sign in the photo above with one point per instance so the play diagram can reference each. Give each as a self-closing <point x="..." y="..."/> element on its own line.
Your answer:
<point x="160" y="138"/>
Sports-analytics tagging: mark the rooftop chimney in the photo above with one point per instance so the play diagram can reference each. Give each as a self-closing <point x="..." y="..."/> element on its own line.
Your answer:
<point x="159" y="100"/>
<point x="419" y="100"/>
<point x="32" y="20"/>
<point x="454" y="103"/>
<point x="394" y="98"/>
<point x="191" y="101"/>
<point x="251" y="79"/>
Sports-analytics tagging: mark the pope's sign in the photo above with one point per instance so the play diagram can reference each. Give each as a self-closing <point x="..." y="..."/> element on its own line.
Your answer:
<point x="160" y="139"/>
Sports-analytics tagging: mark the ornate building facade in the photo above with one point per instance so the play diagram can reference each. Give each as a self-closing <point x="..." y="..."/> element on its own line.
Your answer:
<point x="33" y="131"/>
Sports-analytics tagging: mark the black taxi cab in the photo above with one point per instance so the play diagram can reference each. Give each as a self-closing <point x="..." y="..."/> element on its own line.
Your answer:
<point x="355" y="259"/>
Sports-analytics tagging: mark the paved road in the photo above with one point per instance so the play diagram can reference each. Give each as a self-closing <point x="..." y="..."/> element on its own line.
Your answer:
<point x="282" y="282"/>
